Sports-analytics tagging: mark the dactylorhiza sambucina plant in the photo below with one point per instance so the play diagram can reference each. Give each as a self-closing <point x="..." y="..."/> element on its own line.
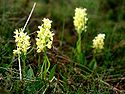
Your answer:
<point x="80" y="23"/>
<point x="98" y="45"/>
<point x="22" y="45"/>
<point x="43" y="41"/>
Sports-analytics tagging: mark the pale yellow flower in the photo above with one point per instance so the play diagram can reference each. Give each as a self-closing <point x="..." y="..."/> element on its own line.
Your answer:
<point x="17" y="51"/>
<point x="22" y="42"/>
<point x="98" y="42"/>
<point x="45" y="36"/>
<point x="47" y="23"/>
<point x="80" y="19"/>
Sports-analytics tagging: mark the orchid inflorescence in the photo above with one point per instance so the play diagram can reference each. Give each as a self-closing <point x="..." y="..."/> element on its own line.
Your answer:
<point x="98" y="42"/>
<point x="45" y="35"/>
<point x="80" y="19"/>
<point x="22" y="42"/>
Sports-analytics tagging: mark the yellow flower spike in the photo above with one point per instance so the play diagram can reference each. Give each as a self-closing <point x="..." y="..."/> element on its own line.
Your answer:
<point x="80" y="19"/>
<point x="45" y="36"/>
<point x="98" y="42"/>
<point x="22" y="42"/>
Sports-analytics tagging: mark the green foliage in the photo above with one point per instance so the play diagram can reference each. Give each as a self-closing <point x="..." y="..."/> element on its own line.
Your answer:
<point x="30" y="74"/>
<point x="52" y="72"/>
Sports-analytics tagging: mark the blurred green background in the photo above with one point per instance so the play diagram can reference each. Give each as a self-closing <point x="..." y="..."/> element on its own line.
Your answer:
<point x="105" y="16"/>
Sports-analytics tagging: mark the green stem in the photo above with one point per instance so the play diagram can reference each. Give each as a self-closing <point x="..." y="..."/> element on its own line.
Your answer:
<point x="79" y="47"/>
<point x="94" y="56"/>
<point x="42" y="69"/>
<point x="20" y="67"/>
<point x="45" y="71"/>
<point x="47" y="64"/>
<point x="79" y="39"/>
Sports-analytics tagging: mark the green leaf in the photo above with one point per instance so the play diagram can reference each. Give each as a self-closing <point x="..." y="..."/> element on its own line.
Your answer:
<point x="52" y="72"/>
<point x="93" y="64"/>
<point x="30" y="73"/>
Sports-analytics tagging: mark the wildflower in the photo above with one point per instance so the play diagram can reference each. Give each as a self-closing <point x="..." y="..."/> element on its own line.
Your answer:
<point x="22" y="42"/>
<point x="98" y="42"/>
<point x="45" y="36"/>
<point x="47" y="23"/>
<point x="80" y="19"/>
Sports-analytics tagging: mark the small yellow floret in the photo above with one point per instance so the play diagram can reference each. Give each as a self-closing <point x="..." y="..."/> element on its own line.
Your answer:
<point x="80" y="19"/>
<point x="47" y="23"/>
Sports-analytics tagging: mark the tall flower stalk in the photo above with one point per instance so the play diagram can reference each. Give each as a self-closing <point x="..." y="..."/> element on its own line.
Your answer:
<point x="98" y="45"/>
<point x="22" y="45"/>
<point x="22" y="42"/>
<point x="80" y="21"/>
<point x="43" y="41"/>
